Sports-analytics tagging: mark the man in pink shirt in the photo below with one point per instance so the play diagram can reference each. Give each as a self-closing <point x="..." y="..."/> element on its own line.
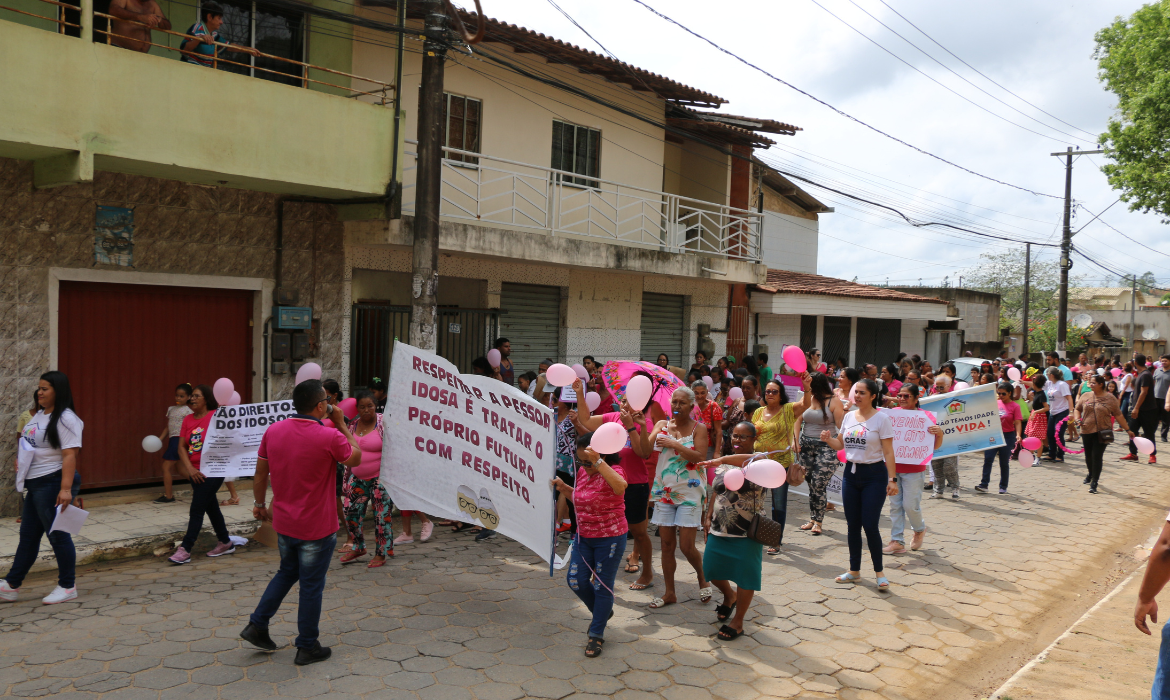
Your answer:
<point x="301" y="453"/>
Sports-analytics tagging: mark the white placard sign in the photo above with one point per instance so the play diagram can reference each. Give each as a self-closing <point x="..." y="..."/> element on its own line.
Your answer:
<point x="468" y="448"/>
<point x="832" y="493"/>
<point x="233" y="438"/>
<point x="912" y="444"/>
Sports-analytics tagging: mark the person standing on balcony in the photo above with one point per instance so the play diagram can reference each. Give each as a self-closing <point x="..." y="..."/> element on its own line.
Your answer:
<point x="202" y="50"/>
<point x="135" y="20"/>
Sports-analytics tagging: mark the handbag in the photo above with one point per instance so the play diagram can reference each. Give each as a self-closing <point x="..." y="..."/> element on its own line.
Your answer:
<point x="1104" y="435"/>
<point x="764" y="530"/>
<point x="796" y="474"/>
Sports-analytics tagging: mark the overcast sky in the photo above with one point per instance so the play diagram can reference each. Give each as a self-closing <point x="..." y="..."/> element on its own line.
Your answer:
<point x="1041" y="51"/>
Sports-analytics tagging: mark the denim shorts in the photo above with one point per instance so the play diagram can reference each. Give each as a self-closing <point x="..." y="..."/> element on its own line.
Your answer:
<point x="671" y="515"/>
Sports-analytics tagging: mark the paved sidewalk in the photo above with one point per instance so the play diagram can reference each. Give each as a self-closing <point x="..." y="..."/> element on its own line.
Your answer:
<point x="455" y="619"/>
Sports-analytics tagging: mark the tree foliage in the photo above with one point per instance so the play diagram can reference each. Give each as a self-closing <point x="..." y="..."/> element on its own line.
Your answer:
<point x="1133" y="55"/>
<point x="1147" y="283"/>
<point x="1003" y="274"/>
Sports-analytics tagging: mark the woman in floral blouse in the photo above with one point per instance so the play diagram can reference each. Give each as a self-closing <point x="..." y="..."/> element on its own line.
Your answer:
<point x="599" y="498"/>
<point x="678" y="491"/>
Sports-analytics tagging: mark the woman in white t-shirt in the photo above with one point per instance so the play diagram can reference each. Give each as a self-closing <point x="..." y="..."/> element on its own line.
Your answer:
<point x="1059" y="404"/>
<point x="867" y="436"/>
<point x="47" y="467"/>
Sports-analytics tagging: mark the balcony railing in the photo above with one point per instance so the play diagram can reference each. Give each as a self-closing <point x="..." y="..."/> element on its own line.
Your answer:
<point x="510" y="194"/>
<point x="86" y="28"/>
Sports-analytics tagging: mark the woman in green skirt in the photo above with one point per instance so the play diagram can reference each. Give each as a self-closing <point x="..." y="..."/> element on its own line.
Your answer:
<point x="730" y="557"/>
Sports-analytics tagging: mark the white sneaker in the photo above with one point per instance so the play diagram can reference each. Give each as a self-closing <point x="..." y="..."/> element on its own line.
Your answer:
<point x="428" y="529"/>
<point x="8" y="593"/>
<point x="60" y="595"/>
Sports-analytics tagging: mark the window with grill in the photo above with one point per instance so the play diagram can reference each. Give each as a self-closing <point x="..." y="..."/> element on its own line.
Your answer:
<point x="461" y="118"/>
<point x="268" y="29"/>
<point x="576" y="149"/>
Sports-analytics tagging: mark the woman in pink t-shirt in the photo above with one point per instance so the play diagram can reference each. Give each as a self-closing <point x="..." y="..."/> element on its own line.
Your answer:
<point x="1011" y="420"/>
<point x="598" y="496"/>
<point x="364" y="487"/>
<point x="203" y="499"/>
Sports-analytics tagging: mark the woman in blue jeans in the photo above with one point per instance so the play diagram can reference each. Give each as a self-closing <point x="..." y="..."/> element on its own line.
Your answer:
<point x="1012" y="423"/>
<point x="907" y="503"/>
<point x="47" y="467"/>
<point x="598" y="495"/>
<point x="867" y="436"/>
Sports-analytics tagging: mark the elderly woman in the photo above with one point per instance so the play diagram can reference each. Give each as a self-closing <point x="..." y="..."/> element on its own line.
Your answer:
<point x="1093" y="414"/>
<point x="678" y="491"/>
<point x="711" y="416"/>
<point x="730" y="556"/>
<point x="598" y="495"/>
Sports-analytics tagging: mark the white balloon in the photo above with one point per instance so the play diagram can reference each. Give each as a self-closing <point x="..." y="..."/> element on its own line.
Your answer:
<point x="638" y="392"/>
<point x="560" y="375"/>
<point x="309" y="370"/>
<point x="592" y="400"/>
<point x="151" y="443"/>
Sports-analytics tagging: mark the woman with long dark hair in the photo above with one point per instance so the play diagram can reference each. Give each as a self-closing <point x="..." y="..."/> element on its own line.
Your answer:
<point x="775" y="423"/>
<point x="47" y="467"/>
<point x="819" y="460"/>
<point x="907" y="503"/>
<point x="203" y="500"/>
<point x="366" y="489"/>
<point x="1093" y="413"/>
<point x="845" y="381"/>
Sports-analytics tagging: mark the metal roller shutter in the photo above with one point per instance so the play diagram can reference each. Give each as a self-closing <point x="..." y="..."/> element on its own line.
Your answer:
<point x="662" y="328"/>
<point x="532" y="323"/>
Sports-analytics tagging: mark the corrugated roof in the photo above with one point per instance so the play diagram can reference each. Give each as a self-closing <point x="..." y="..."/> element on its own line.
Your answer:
<point x="788" y="282"/>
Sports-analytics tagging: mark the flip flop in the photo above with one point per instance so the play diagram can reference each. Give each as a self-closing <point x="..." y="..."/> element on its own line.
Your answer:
<point x="635" y="586"/>
<point x="658" y="604"/>
<point x="347" y="547"/>
<point x="705" y="594"/>
<point x="230" y="502"/>
<point x="376" y="563"/>
<point x="636" y="569"/>
<point x="722" y="612"/>
<point x="728" y="633"/>
<point x="807" y="526"/>
<point x="352" y="555"/>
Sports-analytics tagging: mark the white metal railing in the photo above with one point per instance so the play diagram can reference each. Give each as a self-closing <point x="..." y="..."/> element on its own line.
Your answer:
<point x="519" y="195"/>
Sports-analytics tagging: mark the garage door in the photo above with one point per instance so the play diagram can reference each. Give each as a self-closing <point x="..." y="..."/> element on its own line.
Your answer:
<point x="532" y="323"/>
<point x="126" y="346"/>
<point x="662" y="327"/>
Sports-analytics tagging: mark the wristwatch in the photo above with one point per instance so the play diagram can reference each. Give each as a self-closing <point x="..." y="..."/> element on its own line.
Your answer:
<point x="259" y="504"/>
<point x="893" y="479"/>
<point x="632" y="429"/>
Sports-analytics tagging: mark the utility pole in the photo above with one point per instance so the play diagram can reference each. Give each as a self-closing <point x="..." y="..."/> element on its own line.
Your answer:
<point x="1027" y="286"/>
<point x="428" y="197"/>
<point x="1066" y="248"/>
<point x="1132" y="312"/>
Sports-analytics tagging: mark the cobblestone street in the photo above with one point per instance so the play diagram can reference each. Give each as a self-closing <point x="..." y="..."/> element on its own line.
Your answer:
<point x="455" y="619"/>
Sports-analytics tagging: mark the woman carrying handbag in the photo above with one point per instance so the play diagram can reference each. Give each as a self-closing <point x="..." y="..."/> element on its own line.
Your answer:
<point x="775" y="423"/>
<point x="1092" y="417"/>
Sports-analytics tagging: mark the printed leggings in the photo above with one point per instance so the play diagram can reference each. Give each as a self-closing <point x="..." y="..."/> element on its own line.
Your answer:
<point x="361" y="492"/>
<point x="820" y="462"/>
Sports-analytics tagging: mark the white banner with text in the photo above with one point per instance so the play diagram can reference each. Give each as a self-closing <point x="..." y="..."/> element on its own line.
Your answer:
<point x="232" y="440"/>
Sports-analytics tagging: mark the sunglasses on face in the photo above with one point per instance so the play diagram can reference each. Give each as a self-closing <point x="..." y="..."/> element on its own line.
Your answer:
<point x="768" y="392"/>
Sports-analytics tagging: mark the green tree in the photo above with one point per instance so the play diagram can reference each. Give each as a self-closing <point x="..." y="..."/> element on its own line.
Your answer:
<point x="1133" y="55"/>
<point x="1147" y="282"/>
<point x="1003" y="274"/>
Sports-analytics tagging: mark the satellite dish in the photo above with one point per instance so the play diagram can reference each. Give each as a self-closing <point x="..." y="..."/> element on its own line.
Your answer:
<point x="1150" y="334"/>
<point x="1082" y="320"/>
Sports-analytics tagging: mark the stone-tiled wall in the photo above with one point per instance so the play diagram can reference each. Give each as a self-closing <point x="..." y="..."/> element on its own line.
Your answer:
<point x="179" y="228"/>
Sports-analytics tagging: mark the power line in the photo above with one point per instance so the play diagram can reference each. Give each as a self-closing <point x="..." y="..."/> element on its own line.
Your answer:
<point x="839" y="111"/>
<point x="1001" y="87"/>
<point x="1132" y="240"/>
<point x="936" y="82"/>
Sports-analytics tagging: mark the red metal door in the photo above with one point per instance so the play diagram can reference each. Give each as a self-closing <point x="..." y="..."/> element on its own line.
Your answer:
<point x="126" y="346"/>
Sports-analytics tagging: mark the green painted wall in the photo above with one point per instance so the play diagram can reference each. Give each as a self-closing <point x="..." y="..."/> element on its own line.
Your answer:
<point x="136" y="114"/>
<point x="330" y="45"/>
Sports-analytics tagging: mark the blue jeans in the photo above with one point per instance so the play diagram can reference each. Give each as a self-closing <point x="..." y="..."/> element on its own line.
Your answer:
<point x="306" y="561"/>
<point x="603" y="555"/>
<point x="780" y="507"/>
<point x="863" y="492"/>
<point x="1005" y="456"/>
<point x="907" y="505"/>
<point x="1161" y="688"/>
<point x="40" y="509"/>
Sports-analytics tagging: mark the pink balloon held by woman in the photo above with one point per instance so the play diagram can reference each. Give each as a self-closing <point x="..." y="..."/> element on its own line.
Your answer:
<point x="609" y="439"/>
<point x="795" y="359"/>
<point x="222" y="390"/>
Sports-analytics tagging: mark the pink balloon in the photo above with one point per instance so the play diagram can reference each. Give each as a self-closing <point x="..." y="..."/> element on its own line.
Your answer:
<point x="795" y="359"/>
<point x="309" y="370"/>
<point x="348" y="407"/>
<point x="959" y="386"/>
<point x="735" y="394"/>
<point x="608" y="439"/>
<point x="1027" y="459"/>
<point x="733" y="479"/>
<point x="1143" y="445"/>
<point x="1014" y="374"/>
<point x="766" y="472"/>
<point x="638" y="392"/>
<point x="582" y="373"/>
<point x="1116" y="372"/>
<point x="222" y="390"/>
<point x="841" y="457"/>
<point x="560" y="375"/>
<point x="234" y="400"/>
<point x="592" y="400"/>
<point x="709" y="382"/>
<point x="1031" y="443"/>
<point x="493" y="357"/>
<point x="852" y="397"/>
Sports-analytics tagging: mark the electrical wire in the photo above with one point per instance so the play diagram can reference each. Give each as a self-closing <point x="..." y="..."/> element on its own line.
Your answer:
<point x="1123" y="235"/>
<point x="840" y="111"/>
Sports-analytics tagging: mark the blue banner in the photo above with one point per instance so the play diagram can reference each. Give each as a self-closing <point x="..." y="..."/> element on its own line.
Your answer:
<point x="969" y="419"/>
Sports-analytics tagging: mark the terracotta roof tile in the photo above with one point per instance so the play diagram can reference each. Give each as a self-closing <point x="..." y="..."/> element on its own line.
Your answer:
<point x="787" y="282"/>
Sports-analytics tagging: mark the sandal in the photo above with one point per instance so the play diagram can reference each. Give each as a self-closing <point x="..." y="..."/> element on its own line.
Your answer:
<point x="350" y="556"/>
<point x="375" y="563"/>
<point x="659" y="603"/>
<point x="347" y="547"/>
<point x="847" y="577"/>
<point x="705" y="594"/>
<point x="722" y="612"/>
<point x="773" y="551"/>
<point x="635" y="586"/>
<point x="816" y="529"/>
<point x="636" y="568"/>
<point x="230" y="502"/>
<point x="593" y="648"/>
<point x="728" y="633"/>
<point x="807" y="526"/>
<point x="883" y="583"/>
<point x="459" y="527"/>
